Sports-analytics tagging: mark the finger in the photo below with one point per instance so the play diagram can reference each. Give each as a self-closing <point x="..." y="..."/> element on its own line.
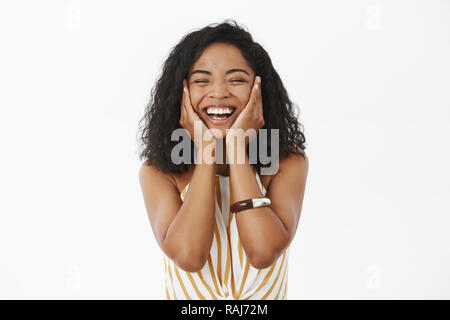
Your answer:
<point x="258" y="111"/>
<point x="191" y="113"/>
<point x="255" y="107"/>
<point x="184" y="111"/>
<point x="183" y="108"/>
<point x="260" y="96"/>
<point x="255" y="91"/>
<point x="187" y="99"/>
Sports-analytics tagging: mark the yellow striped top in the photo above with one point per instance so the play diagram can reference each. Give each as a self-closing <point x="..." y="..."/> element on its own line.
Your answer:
<point x="227" y="275"/>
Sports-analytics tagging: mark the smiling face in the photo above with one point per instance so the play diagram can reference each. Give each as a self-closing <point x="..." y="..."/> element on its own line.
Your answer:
<point x="220" y="83"/>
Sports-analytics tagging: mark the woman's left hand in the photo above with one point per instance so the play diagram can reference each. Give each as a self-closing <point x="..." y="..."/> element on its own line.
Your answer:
<point x="251" y="117"/>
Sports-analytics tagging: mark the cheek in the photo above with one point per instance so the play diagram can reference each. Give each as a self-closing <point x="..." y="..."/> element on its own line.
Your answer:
<point x="195" y="99"/>
<point x="243" y="96"/>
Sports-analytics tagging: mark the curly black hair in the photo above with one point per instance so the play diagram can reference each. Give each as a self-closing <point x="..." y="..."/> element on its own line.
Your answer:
<point x="162" y="113"/>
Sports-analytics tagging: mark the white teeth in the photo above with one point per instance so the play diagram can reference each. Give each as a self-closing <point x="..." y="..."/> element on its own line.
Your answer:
<point x="214" y="110"/>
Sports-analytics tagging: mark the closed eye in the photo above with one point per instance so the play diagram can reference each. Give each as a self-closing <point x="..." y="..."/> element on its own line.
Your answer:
<point x="203" y="81"/>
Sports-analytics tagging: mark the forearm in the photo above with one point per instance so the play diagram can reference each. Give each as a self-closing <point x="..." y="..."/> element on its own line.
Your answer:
<point x="262" y="233"/>
<point x="190" y="234"/>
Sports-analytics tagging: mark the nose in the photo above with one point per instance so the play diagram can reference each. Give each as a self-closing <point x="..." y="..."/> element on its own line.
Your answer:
<point x="219" y="90"/>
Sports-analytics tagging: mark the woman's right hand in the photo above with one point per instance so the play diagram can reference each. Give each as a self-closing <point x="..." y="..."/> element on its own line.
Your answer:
<point x="188" y="119"/>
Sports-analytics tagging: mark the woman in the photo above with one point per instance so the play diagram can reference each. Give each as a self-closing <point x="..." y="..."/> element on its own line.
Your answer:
<point x="219" y="79"/>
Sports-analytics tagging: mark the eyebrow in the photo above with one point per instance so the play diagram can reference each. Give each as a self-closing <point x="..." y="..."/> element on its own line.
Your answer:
<point x="228" y="72"/>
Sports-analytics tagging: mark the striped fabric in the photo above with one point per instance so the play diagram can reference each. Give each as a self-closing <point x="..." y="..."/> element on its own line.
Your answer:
<point x="227" y="274"/>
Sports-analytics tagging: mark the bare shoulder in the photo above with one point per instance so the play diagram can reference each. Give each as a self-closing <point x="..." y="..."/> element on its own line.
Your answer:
<point x="294" y="166"/>
<point x="177" y="180"/>
<point x="151" y="174"/>
<point x="161" y="198"/>
<point x="295" y="161"/>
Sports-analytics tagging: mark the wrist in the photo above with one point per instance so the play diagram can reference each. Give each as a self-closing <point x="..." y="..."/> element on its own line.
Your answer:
<point x="206" y="167"/>
<point x="206" y="152"/>
<point x="236" y="146"/>
<point x="237" y="156"/>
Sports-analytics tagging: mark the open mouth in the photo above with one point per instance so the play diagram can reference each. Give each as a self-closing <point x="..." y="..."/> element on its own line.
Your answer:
<point x="219" y="115"/>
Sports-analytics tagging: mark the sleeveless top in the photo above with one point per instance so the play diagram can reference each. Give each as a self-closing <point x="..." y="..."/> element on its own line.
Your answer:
<point x="227" y="274"/>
